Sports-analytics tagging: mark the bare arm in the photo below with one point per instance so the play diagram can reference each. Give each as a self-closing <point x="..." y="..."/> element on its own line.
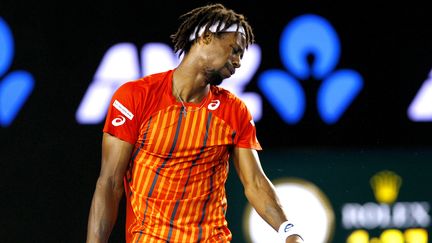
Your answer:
<point x="109" y="188"/>
<point x="259" y="190"/>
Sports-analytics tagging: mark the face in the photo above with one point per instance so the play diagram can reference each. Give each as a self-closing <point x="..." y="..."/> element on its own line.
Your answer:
<point x="223" y="56"/>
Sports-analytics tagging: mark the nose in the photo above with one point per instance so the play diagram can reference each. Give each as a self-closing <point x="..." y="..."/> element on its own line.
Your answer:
<point x="236" y="61"/>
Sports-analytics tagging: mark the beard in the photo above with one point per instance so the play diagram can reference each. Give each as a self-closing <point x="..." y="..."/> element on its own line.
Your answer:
<point x="215" y="78"/>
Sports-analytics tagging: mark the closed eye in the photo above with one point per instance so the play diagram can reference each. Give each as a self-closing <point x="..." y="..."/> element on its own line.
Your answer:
<point x="237" y="51"/>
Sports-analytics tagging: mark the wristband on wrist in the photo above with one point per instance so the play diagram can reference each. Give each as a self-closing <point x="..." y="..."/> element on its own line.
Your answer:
<point x="287" y="229"/>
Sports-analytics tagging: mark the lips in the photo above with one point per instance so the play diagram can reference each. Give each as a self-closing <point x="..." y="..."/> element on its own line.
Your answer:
<point x="230" y="72"/>
<point x="231" y="69"/>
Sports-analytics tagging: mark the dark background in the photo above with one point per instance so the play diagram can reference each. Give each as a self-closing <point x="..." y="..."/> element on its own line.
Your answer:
<point x="50" y="163"/>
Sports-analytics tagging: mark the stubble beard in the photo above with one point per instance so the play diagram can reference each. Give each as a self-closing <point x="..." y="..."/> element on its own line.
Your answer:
<point x="215" y="77"/>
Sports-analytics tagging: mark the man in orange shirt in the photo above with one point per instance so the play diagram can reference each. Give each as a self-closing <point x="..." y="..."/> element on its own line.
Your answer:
<point x="168" y="138"/>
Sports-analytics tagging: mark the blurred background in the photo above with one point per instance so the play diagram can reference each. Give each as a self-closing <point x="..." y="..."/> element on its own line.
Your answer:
<point x="341" y="93"/>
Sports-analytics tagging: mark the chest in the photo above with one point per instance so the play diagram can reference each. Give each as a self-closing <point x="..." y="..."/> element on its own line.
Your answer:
<point x="169" y="132"/>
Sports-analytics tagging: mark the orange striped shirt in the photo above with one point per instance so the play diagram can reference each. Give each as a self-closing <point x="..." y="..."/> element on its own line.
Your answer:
<point x="174" y="184"/>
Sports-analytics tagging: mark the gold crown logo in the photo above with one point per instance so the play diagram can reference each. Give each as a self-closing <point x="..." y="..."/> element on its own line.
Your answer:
<point x="385" y="185"/>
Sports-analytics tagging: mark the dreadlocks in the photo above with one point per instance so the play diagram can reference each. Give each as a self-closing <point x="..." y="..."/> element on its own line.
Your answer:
<point x="207" y="16"/>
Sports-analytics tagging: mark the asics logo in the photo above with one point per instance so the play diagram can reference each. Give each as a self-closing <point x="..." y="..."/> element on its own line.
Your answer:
<point x="118" y="121"/>
<point x="214" y="104"/>
<point x="288" y="227"/>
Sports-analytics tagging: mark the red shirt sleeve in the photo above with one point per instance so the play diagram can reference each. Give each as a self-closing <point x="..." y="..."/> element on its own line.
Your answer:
<point x="246" y="130"/>
<point x="122" y="120"/>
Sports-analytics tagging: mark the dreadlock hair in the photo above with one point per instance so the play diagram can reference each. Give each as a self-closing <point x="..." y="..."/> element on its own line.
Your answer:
<point x="207" y="16"/>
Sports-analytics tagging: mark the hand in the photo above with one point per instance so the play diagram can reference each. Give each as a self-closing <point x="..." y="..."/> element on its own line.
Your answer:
<point x="294" y="239"/>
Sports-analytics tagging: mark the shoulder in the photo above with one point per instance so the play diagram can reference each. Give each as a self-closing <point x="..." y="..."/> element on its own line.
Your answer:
<point x="228" y="97"/>
<point x="225" y="94"/>
<point x="144" y="85"/>
<point x="157" y="78"/>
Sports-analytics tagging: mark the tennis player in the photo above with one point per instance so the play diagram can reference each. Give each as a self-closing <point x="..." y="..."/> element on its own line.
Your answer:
<point x="168" y="138"/>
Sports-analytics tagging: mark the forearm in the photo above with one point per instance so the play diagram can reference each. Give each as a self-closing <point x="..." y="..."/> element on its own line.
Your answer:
<point x="260" y="192"/>
<point x="264" y="200"/>
<point x="103" y="211"/>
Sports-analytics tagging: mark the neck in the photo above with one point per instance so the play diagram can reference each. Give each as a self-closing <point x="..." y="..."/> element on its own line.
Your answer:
<point x="189" y="85"/>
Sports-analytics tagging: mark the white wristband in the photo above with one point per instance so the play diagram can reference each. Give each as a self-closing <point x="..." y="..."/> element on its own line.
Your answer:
<point x="287" y="229"/>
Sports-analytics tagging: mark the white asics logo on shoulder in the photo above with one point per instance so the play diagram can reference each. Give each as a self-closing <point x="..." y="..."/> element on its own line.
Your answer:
<point x="123" y="109"/>
<point x="214" y="104"/>
<point x="118" y="121"/>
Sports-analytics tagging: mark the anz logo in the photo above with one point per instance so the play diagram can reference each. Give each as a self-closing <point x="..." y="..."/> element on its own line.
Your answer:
<point x="16" y="85"/>
<point x="310" y="35"/>
<point x="304" y="36"/>
<point x="121" y="64"/>
<point x="420" y="109"/>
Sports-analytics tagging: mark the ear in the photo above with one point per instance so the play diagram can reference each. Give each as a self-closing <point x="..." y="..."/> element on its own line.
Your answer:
<point x="207" y="37"/>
